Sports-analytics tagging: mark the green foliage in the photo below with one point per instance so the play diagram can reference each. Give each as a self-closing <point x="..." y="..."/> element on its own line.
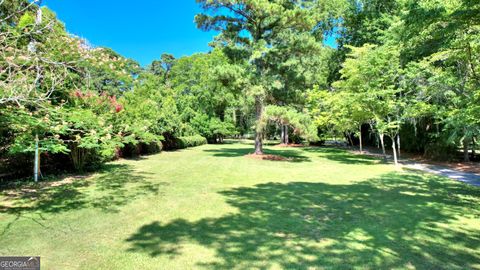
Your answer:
<point x="131" y="150"/>
<point x="277" y="42"/>
<point x="421" y="67"/>
<point x="366" y="93"/>
<point x="27" y="20"/>
<point x="152" y="147"/>
<point x="441" y="149"/>
<point x="68" y="95"/>
<point x="401" y="67"/>
<point x="300" y="122"/>
<point x="190" y="141"/>
<point x="213" y="128"/>
<point x="205" y="83"/>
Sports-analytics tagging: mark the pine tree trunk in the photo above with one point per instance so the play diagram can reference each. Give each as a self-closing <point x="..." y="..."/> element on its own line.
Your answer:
<point x="466" y="158"/>
<point x="259" y="130"/>
<point x="394" y="151"/>
<point x="360" y="138"/>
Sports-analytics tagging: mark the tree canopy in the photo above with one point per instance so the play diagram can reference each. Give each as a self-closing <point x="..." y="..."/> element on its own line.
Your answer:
<point x="401" y="69"/>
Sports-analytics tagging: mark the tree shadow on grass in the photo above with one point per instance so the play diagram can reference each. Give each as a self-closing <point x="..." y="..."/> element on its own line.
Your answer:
<point x="120" y="186"/>
<point x="114" y="187"/>
<point x="343" y="156"/>
<point x="395" y="221"/>
<point x="290" y="155"/>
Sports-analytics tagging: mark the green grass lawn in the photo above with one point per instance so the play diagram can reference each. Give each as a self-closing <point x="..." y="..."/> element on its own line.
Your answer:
<point x="212" y="208"/>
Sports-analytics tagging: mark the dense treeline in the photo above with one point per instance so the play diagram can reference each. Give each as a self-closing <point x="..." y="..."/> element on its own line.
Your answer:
<point x="410" y="71"/>
<point x="405" y="74"/>
<point x="403" y="68"/>
<point x="86" y="105"/>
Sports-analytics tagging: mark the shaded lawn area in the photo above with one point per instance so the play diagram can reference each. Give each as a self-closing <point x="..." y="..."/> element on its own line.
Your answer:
<point x="212" y="208"/>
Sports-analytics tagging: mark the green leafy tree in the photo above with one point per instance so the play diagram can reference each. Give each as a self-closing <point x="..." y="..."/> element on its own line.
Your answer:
<point x="205" y="87"/>
<point x="253" y="27"/>
<point x="370" y="82"/>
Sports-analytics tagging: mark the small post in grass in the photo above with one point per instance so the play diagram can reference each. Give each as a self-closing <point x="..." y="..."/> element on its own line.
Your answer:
<point x="36" y="162"/>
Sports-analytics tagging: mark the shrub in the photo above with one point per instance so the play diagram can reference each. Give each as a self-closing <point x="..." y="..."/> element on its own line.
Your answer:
<point x="131" y="150"/>
<point x="190" y="141"/>
<point x="441" y="151"/>
<point x="212" y="128"/>
<point x="151" y="148"/>
<point x="321" y="138"/>
<point x="169" y="141"/>
<point x="320" y="142"/>
<point x="89" y="159"/>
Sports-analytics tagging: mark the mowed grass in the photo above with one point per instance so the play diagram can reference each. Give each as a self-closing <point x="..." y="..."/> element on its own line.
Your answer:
<point x="211" y="207"/>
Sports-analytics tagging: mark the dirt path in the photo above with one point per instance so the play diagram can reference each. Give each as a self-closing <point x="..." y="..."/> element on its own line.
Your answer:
<point x="466" y="177"/>
<point x="472" y="178"/>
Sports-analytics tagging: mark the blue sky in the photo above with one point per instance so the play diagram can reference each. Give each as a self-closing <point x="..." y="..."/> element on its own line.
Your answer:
<point x="142" y="29"/>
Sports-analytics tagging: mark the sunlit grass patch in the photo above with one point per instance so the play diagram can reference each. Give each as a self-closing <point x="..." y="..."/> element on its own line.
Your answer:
<point x="212" y="208"/>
